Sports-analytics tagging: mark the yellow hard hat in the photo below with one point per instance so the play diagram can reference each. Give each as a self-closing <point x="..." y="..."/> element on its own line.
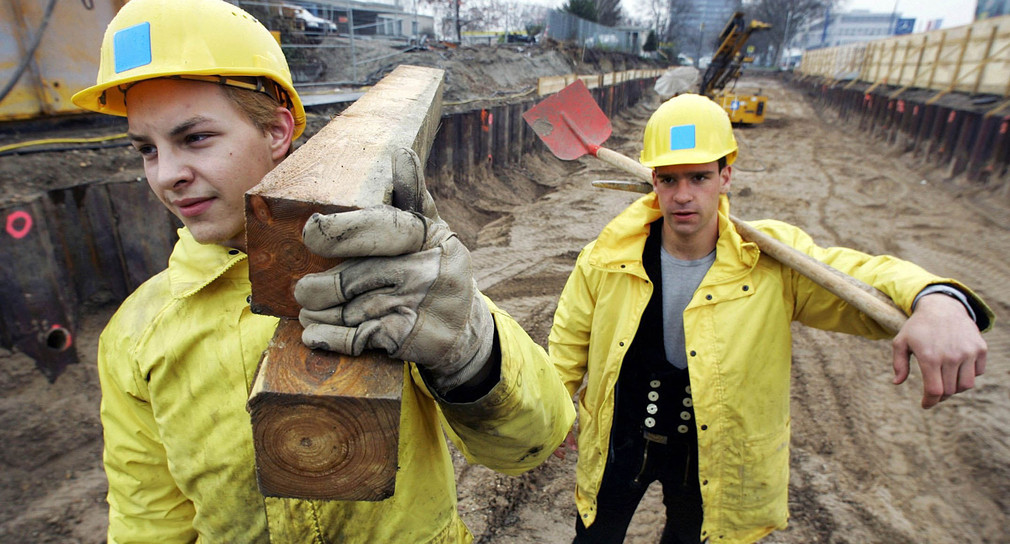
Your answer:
<point x="207" y="40"/>
<point x="688" y="129"/>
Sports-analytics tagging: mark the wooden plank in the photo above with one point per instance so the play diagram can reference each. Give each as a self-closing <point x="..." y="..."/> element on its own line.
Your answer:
<point x="145" y="230"/>
<point x="326" y="426"/>
<point x="349" y="156"/>
<point x="83" y="225"/>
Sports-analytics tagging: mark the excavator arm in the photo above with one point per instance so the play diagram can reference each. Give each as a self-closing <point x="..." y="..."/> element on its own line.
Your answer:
<point x="729" y="57"/>
<point x="725" y="67"/>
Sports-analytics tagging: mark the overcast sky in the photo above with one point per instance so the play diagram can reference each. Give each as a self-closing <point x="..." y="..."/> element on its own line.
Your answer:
<point x="953" y="12"/>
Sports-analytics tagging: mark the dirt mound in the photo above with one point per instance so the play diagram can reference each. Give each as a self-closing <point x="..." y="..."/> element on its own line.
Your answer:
<point x="473" y="72"/>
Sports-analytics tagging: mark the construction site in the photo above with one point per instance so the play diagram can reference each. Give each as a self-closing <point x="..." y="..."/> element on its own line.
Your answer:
<point x="895" y="147"/>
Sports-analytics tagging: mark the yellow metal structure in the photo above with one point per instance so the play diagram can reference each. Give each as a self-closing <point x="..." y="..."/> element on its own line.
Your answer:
<point x="725" y="67"/>
<point x="49" y="68"/>
<point x="746" y="109"/>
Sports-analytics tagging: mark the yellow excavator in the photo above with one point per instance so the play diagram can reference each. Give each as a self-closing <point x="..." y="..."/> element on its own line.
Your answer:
<point x="725" y="67"/>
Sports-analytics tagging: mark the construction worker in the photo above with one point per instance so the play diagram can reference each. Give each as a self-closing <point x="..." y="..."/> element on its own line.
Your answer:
<point x="211" y="109"/>
<point x="681" y="331"/>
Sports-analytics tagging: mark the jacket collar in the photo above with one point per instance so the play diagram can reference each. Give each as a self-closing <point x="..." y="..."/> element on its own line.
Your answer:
<point x="193" y="265"/>
<point x="621" y="242"/>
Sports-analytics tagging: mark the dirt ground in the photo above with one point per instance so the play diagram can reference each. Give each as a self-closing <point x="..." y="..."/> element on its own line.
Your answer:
<point x="868" y="464"/>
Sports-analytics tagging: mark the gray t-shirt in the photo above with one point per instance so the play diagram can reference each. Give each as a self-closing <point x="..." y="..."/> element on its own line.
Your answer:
<point x="680" y="280"/>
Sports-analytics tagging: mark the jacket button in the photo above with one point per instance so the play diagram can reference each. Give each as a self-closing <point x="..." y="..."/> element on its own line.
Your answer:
<point x="649" y="422"/>
<point x="687" y="402"/>
<point x="746" y="287"/>
<point x="653" y="396"/>
<point x="654" y="384"/>
<point x="232" y="252"/>
<point x="685" y="415"/>
<point x="704" y="427"/>
<point x="693" y="353"/>
<point x="652" y="408"/>
<point x="682" y="429"/>
<point x="620" y="344"/>
<point x="708" y="297"/>
<point x="248" y="299"/>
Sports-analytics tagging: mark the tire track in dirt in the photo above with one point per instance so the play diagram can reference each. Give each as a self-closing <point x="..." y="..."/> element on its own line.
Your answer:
<point x="868" y="464"/>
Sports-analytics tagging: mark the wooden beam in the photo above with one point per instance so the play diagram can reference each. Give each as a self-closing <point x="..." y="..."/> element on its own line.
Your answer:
<point x="326" y="426"/>
<point x="345" y="166"/>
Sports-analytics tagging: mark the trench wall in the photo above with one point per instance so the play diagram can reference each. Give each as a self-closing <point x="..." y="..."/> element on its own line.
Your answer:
<point x="943" y="96"/>
<point x="66" y="250"/>
<point x="961" y="135"/>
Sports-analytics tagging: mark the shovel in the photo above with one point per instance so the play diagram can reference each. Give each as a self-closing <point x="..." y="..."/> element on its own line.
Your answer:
<point x="571" y="124"/>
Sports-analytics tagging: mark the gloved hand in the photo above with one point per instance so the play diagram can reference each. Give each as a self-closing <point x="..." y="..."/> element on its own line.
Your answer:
<point x="406" y="285"/>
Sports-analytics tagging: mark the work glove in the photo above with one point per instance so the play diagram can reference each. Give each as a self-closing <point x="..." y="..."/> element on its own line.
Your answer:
<point x="406" y="285"/>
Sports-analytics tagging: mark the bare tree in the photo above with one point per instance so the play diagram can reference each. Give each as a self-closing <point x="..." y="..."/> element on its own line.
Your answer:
<point x="583" y="9"/>
<point x="509" y="16"/>
<point x="608" y="12"/>
<point x="787" y="17"/>
<point x="675" y="31"/>
<point x="502" y="15"/>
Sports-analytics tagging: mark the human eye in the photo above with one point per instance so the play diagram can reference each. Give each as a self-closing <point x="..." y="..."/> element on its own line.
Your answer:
<point x="196" y="137"/>
<point x="147" y="151"/>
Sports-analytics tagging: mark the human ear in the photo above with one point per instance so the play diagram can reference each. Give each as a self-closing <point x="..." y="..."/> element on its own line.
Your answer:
<point x="724" y="179"/>
<point x="281" y="132"/>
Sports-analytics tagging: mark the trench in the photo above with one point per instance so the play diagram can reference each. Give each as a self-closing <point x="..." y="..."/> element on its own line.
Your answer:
<point x="92" y="244"/>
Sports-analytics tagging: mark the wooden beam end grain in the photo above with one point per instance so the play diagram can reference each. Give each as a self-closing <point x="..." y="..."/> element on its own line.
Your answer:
<point x="325" y="426"/>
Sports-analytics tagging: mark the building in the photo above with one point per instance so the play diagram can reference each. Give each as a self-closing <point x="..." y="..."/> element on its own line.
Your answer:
<point x="854" y="26"/>
<point x="986" y="9"/>
<point x="396" y="19"/>
<point x="702" y="24"/>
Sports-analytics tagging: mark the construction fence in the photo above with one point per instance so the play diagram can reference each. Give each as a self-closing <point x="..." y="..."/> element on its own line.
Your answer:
<point x="565" y="27"/>
<point x="942" y="96"/>
<point x="973" y="59"/>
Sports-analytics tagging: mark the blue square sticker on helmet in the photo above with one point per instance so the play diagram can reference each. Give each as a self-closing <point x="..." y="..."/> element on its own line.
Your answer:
<point x="132" y="47"/>
<point x="682" y="137"/>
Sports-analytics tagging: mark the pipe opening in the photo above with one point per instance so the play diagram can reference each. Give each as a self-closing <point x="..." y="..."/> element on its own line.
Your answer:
<point x="58" y="339"/>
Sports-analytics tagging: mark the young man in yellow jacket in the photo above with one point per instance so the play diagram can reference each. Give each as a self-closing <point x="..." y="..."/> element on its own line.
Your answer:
<point x="211" y="109"/>
<point x="681" y="331"/>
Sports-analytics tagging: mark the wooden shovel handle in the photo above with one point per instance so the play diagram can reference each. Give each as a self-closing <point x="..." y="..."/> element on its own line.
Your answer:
<point x="866" y="298"/>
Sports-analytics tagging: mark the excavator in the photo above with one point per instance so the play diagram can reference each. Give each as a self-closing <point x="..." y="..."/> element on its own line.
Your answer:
<point x="725" y="67"/>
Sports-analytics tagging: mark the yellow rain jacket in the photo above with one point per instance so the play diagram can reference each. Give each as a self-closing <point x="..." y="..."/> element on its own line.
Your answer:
<point x="738" y="343"/>
<point x="176" y="363"/>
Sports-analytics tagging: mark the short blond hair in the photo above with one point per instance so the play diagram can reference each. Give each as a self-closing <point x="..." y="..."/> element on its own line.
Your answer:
<point x="259" y="107"/>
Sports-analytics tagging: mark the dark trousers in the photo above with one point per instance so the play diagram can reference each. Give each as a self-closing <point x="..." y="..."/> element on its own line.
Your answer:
<point x="625" y="480"/>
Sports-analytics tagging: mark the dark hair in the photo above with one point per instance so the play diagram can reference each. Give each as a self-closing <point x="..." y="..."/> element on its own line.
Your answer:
<point x="722" y="163"/>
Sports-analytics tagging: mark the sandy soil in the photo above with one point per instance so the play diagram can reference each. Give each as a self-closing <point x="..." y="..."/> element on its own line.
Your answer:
<point x="869" y="465"/>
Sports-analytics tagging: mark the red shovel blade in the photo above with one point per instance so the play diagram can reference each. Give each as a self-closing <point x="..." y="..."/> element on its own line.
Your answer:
<point x="570" y="122"/>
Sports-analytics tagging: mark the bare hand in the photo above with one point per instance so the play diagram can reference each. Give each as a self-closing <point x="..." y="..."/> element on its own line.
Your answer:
<point x="568" y="444"/>
<point x="946" y="343"/>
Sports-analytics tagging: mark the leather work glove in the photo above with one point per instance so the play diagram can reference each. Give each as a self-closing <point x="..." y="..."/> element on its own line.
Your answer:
<point x="406" y="285"/>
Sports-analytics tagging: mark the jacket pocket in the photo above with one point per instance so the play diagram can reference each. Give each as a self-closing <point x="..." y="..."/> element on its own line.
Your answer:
<point x="764" y="475"/>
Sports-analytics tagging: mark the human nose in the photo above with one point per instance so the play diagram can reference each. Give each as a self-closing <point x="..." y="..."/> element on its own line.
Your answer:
<point x="170" y="172"/>
<point x="681" y="192"/>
